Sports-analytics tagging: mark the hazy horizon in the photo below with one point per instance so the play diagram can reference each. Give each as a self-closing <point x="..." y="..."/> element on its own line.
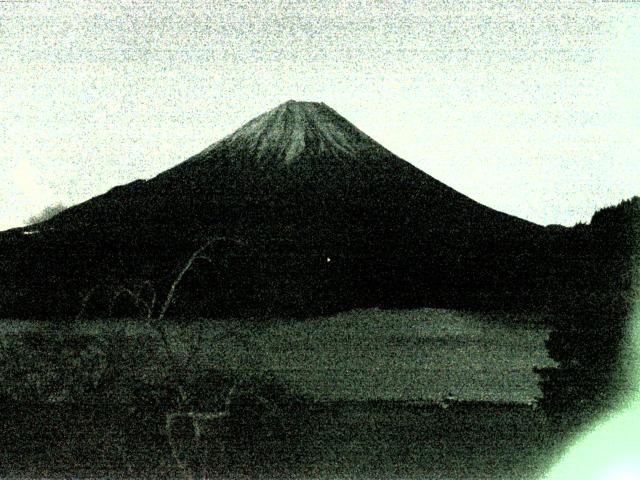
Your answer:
<point x="529" y="109"/>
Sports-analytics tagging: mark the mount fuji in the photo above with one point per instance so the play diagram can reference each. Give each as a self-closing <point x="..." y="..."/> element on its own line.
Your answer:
<point x="330" y="219"/>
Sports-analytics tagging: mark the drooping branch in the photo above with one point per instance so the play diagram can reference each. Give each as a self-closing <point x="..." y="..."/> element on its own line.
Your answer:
<point x="85" y="301"/>
<point x="197" y="255"/>
<point x="134" y="296"/>
<point x="145" y="298"/>
<point x="156" y="323"/>
<point x="196" y="345"/>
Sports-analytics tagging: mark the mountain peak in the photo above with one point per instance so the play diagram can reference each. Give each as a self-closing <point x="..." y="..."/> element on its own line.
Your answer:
<point x="292" y="130"/>
<point x="302" y="103"/>
<point x="305" y="106"/>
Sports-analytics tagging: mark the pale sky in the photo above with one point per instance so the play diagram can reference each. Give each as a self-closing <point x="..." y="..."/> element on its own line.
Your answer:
<point x="532" y="108"/>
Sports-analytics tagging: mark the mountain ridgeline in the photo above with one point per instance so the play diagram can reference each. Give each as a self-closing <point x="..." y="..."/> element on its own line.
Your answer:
<point x="316" y="217"/>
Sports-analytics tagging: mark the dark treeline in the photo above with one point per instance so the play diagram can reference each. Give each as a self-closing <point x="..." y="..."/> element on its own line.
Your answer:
<point x="590" y="340"/>
<point x="279" y="269"/>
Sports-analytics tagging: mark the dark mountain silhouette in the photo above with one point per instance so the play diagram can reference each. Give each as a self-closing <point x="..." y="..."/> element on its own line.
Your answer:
<point x="300" y="158"/>
<point x="328" y="219"/>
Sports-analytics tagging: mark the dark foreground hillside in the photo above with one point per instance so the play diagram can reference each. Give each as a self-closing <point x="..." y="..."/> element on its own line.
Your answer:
<point x="329" y="440"/>
<point x="422" y="393"/>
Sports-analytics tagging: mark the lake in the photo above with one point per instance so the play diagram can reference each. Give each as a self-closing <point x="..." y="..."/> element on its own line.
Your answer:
<point x="408" y="355"/>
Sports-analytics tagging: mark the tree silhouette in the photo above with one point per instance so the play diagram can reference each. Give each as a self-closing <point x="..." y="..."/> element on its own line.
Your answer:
<point x="46" y="213"/>
<point x="588" y="343"/>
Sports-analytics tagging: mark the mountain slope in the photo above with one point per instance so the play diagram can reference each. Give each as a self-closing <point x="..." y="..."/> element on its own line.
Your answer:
<point x="299" y="158"/>
<point x="331" y="219"/>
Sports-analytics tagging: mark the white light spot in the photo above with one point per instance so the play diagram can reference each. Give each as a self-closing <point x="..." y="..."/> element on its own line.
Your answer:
<point x="328" y="259"/>
<point x="624" y="472"/>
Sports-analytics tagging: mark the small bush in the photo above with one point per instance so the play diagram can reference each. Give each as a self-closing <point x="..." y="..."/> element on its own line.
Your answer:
<point x="46" y="214"/>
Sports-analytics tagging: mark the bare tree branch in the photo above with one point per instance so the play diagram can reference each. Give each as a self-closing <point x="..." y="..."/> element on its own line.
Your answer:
<point x="197" y="346"/>
<point x="178" y="279"/>
<point x="197" y="255"/>
<point x="85" y="300"/>
<point x="144" y="297"/>
<point x="135" y="296"/>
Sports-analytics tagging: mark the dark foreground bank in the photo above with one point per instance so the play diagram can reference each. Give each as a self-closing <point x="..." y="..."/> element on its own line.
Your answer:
<point x="304" y="440"/>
